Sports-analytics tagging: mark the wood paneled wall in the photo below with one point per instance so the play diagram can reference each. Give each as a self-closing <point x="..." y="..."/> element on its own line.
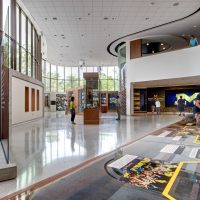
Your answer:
<point x="136" y="49"/>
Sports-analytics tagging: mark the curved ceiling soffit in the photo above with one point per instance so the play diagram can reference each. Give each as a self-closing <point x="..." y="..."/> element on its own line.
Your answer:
<point x="182" y="38"/>
<point x="148" y="29"/>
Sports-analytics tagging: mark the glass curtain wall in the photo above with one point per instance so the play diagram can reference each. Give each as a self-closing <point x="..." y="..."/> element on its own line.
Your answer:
<point x="26" y="41"/>
<point x="60" y="78"/>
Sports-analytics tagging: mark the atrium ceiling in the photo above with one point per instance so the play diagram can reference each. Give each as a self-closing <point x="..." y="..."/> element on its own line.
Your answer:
<point x="82" y="29"/>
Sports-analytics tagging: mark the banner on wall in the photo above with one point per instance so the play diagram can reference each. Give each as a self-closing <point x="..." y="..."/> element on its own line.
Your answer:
<point x="172" y="96"/>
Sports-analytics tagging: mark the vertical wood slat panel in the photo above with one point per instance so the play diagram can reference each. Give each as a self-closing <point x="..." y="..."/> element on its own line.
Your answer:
<point x="26" y="99"/>
<point x="32" y="99"/>
<point x="38" y="100"/>
<point x="136" y="49"/>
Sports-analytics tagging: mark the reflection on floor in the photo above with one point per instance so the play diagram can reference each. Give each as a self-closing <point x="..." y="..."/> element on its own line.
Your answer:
<point x="154" y="167"/>
<point x="48" y="146"/>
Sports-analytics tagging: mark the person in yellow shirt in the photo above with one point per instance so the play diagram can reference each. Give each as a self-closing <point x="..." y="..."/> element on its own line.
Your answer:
<point x="72" y="110"/>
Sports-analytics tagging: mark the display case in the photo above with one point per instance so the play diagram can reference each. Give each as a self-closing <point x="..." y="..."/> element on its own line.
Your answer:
<point x="92" y="98"/>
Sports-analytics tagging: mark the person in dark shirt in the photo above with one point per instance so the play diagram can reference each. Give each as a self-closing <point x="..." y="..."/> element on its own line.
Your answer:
<point x="153" y="105"/>
<point x="181" y="106"/>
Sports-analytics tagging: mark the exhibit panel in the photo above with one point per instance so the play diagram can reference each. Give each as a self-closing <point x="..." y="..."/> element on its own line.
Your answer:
<point x="91" y="111"/>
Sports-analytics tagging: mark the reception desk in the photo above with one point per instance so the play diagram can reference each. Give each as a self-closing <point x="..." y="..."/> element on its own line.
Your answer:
<point x="91" y="116"/>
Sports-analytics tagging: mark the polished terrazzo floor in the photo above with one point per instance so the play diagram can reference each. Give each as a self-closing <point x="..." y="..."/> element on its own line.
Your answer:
<point x="50" y="145"/>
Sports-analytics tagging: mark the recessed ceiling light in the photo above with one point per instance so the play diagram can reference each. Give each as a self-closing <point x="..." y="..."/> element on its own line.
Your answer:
<point x="163" y="48"/>
<point x="45" y="18"/>
<point x="89" y="14"/>
<point x="161" y="44"/>
<point x="62" y="35"/>
<point x="195" y="26"/>
<point x="55" y="35"/>
<point x="105" y="18"/>
<point x="176" y="4"/>
<point x="152" y="3"/>
<point x="79" y="18"/>
<point x="147" y="18"/>
<point x="54" y="18"/>
<point x="82" y="35"/>
<point x="147" y="44"/>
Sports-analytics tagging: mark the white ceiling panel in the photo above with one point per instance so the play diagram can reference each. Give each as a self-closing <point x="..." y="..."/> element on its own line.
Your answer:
<point x="90" y="25"/>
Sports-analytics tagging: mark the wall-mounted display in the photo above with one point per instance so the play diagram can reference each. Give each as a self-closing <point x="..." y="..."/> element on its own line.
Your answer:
<point x="60" y="102"/>
<point x="92" y="98"/>
<point x="140" y="100"/>
<point x="172" y="96"/>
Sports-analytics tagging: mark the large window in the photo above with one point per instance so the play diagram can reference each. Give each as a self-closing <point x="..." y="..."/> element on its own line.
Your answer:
<point x="61" y="79"/>
<point x="25" y="59"/>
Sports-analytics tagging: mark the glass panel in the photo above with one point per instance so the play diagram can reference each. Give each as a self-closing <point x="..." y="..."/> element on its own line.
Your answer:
<point x="96" y="69"/>
<point x="89" y="69"/>
<point x="43" y="68"/>
<point x="46" y="82"/>
<point x="23" y="30"/>
<point x="5" y="44"/>
<point x="17" y="24"/>
<point x="111" y="85"/>
<point x="103" y="85"/>
<point x="6" y="16"/>
<point x="61" y="86"/>
<point x="54" y="71"/>
<point x="67" y="84"/>
<point x="116" y="85"/>
<point x="17" y="58"/>
<point x="104" y="73"/>
<point x="34" y="42"/>
<point x="29" y="64"/>
<point x="82" y="70"/>
<point x="60" y="72"/>
<point x="116" y="72"/>
<point x="54" y="85"/>
<point x="34" y="66"/>
<point x="68" y="74"/>
<point x="111" y="73"/>
<point x="74" y="84"/>
<point x="29" y="36"/>
<point x="23" y="61"/>
<point x="47" y="70"/>
<point x="75" y="73"/>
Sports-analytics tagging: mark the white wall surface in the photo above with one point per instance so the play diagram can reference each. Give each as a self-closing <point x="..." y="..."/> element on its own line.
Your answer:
<point x="18" y="101"/>
<point x="175" y="64"/>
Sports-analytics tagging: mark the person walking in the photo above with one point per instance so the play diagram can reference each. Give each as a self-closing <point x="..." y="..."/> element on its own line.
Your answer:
<point x="72" y="110"/>
<point x="118" y="108"/>
<point x="157" y="106"/>
<point x="181" y="106"/>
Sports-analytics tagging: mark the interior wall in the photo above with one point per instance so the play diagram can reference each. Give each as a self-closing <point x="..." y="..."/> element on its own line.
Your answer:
<point x="175" y="64"/>
<point x="18" y="101"/>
